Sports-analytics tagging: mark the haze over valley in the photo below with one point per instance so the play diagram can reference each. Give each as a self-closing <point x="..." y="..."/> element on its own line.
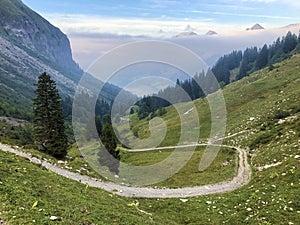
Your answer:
<point x="149" y="112"/>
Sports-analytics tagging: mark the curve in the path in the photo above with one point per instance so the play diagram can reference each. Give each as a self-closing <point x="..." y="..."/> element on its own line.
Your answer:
<point x="243" y="177"/>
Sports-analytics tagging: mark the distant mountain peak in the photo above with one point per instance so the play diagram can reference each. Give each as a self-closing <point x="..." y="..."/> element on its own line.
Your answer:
<point x="256" y="27"/>
<point x="211" y="32"/>
<point x="188" y="28"/>
<point x="186" y="34"/>
<point x="292" y="25"/>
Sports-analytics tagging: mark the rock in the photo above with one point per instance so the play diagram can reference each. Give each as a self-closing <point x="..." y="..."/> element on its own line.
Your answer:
<point x="53" y="218"/>
<point x="225" y="164"/>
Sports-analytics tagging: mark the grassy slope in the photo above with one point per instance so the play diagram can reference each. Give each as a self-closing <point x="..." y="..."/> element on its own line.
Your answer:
<point x="189" y="175"/>
<point x="22" y="183"/>
<point x="266" y="106"/>
<point x="272" y="197"/>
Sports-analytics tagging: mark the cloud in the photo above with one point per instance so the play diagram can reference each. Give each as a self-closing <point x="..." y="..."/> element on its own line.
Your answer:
<point x="285" y="2"/>
<point x="87" y="47"/>
<point x="91" y="24"/>
<point x="263" y="1"/>
<point x="246" y="15"/>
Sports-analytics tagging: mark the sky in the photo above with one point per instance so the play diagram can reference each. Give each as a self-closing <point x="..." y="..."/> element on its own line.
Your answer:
<point x="165" y="17"/>
<point x="96" y="27"/>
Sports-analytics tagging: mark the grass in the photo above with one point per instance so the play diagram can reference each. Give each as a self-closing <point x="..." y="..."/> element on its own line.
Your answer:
<point x="73" y="161"/>
<point x="189" y="175"/>
<point x="254" y="105"/>
<point x="174" y="124"/>
<point x="22" y="184"/>
<point x="271" y="196"/>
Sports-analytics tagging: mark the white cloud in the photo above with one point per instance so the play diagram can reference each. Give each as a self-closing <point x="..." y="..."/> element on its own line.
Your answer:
<point x="135" y="27"/>
<point x="285" y="2"/>
<point x="246" y="14"/>
<point x="263" y="1"/>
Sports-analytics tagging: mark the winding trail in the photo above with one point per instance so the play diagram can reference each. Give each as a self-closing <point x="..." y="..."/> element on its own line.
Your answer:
<point x="242" y="177"/>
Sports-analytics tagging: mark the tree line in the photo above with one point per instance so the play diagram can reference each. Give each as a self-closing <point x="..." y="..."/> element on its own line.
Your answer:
<point x="253" y="59"/>
<point x="228" y="68"/>
<point x="199" y="86"/>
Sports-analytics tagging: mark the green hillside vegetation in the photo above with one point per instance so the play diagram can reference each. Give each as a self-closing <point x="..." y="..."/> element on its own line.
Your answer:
<point x="264" y="106"/>
<point x="229" y="68"/>
<point x="18" y="134"/>
<point x="266" y="95"/>
<point x="223" y="168"/>
<point x="23" y="184"/>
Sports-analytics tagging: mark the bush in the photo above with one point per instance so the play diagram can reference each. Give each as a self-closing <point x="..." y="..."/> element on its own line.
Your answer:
<point x="280" y="114"/>
<point x="261" y="139"/>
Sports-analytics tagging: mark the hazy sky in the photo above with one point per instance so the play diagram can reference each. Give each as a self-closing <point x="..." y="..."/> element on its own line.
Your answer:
<point x="165" y="17"/>
<point x="95" y="27"/>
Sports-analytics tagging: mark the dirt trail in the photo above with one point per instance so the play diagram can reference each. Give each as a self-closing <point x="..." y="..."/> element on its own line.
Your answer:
<point x="242" y="177"/>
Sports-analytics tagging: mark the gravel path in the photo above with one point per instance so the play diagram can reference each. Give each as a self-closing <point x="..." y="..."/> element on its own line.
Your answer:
<point x="243" y="177"/>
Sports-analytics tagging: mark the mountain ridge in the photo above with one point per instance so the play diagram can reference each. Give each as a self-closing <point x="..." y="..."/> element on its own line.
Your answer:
<point x="29" y="46"/>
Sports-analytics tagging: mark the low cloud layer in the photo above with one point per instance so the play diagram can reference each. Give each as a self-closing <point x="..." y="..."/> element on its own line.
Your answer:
<point x="87" y="47"/>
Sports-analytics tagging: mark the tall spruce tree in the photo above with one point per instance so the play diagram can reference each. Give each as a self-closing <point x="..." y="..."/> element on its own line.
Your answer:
<point x="110" y="153"/>
<point x="49" y="128"/>
<point x="262" y="58"/>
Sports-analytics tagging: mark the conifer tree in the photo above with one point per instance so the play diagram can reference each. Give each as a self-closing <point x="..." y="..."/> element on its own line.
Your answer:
<point x="262" y="58"/>
<point x="290" y="42"/>
<point x="110" y="153"/>
<point x="49" y="128"/>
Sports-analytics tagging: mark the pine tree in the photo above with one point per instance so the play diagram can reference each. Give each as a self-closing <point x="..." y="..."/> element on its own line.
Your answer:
<point x="290" y="42"/>
<point x="109" y="156"/>
<point x="262" y="58"/>
<point x="49" y="128"/>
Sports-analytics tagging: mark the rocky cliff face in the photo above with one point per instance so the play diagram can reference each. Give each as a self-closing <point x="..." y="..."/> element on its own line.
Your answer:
<point x="33" y="33"/>
<point x="29" y="46"/>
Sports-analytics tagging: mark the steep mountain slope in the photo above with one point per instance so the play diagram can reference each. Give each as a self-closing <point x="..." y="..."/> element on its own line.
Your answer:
<point x="25" y="34"/>
<point x="255" y="105"/>
<point x="29" y="30"/>
<point x="263" y="116"/>
<point x="30" y="45"/>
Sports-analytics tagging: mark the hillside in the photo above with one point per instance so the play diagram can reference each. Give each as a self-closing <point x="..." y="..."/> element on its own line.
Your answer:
<point x="30" y="45"/>
<point x="27" y="29"/>
<point x="263" y="112"/>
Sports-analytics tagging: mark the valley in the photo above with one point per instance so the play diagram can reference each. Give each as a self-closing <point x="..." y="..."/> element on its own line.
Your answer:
<point x="227" y="154"/>
<point x="272" y="190"/>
